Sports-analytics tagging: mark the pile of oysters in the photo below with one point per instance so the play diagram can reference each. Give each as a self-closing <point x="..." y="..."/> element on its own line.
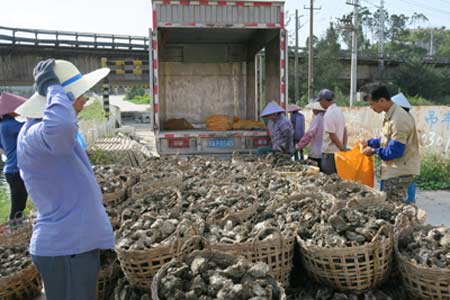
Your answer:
<point x="13" y="260"/>
<point x="428" y="246"/>
<point x="216" y="276"/>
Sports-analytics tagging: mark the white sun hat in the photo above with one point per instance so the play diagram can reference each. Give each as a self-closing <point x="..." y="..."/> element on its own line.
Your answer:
<point x="401" y="100"/>
<point x="72" y="81"/>
<point x="315" y="106"/>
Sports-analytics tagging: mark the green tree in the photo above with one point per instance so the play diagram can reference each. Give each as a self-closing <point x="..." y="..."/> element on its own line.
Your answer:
<point x="419" y="79"/>
<point x="327" y="67"/>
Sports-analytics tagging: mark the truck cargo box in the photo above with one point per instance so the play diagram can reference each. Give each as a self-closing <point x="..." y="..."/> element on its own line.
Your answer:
<point x="206" y="61"/>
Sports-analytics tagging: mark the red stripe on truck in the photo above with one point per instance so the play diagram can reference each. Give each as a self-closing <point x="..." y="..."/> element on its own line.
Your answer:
<point x="240" y="3"/>
<point x="282" y="20"/>
<point x="156" y="107"/>
<point x="154" y="45"/>
<point x="251" y="25"/>
<point x="283" y="63"/>
<point x="204" y="2"/>
<point x="262" y="3"/>
<point x="184" y="2"/>
<point x="271" y="25"/>
<point x="166" y="2"/>
<point x="169" y="135"/>
<point x="282" y="44"/>
<point x="155" y="89"/>
<point x="155" y="64"/>
<point x="221" y="3"/>
<point x="283" y="88"/>
<point x="154" y="19"/>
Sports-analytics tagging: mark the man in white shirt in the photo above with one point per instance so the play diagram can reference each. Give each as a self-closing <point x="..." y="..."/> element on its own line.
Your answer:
<point x="335" y="133"/>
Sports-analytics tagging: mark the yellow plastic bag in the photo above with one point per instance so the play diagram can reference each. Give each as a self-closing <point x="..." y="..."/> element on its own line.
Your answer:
<point x="354" y="165"/>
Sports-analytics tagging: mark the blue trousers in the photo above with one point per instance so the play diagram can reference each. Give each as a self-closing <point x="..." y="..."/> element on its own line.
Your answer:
<point x="411" y="198"/>
<point x="71" y="277"/>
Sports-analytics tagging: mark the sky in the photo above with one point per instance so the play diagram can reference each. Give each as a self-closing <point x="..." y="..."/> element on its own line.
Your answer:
<point x="133" y="17"/>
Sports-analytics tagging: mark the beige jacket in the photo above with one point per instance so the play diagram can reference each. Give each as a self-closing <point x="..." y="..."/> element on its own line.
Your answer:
<point x="400" y="126"/>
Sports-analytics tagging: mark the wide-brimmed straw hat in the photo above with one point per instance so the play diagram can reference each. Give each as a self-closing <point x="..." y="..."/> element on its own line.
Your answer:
<point x="72" y="81"/>
<point x="9" y="102"/>
<point x="271" y="108"/>
<point x="401" y="100"/>
<point x="315" y="106"/>
<point x="293" y="107"/>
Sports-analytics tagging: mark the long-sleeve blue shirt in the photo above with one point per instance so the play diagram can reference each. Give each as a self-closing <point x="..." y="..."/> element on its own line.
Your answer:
<point x="298" y="123"/>
<point x="9" y="130"/>
<point x="57" y="173"/>
<point x="392" y="150"/>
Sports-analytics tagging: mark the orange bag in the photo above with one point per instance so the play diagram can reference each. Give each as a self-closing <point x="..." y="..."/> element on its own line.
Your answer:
<point x="354" y="165"/>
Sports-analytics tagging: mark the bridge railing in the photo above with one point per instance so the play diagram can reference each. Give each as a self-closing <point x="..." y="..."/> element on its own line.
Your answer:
<point x="52" y="38"/>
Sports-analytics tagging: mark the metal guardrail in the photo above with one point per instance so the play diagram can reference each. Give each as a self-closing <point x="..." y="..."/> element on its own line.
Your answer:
<point x="69" y="39"/>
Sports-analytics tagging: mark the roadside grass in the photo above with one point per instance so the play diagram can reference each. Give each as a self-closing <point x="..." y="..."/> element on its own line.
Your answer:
<point x="5" y="205"/>
<point x="144" y="99"/>
<point x="434" y="173"/>
<point x="93" y="111"/>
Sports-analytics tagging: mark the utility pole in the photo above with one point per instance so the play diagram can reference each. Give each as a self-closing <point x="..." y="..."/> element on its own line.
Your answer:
<point x="310" y="46"/>
<point x="431" y="43"/>
<point x="381" y="39"/>
<point x="353" y="80"/>
<point x="297" y="28"/>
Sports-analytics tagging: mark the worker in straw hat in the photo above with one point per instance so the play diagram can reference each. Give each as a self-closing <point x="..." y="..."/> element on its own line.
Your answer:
<point x="280" y="130"/>
<point x="71" y="225"/>
<point x="298" y="123"/>
<point x="9" y="131"/>
<point x="314" y="135"/>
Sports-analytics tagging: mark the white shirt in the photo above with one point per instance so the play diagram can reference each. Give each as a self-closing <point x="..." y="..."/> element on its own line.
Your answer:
<point x="333" y="122"/>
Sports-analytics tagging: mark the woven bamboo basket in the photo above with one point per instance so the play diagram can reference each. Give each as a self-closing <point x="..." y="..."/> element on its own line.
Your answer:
<point x="16" y="232"/>
<point x="421" y="282"/>
<point x="147" y="184"/>
<point x="354" y="269"/>
<point x="368" y="192"/>
<point x="208" y="254"/>
<point x="115" y="197"/>
<point x="140" y="266"/>
<point x="22" y="285"/>
<point x="106" y="280"/>
<point x="277" y="253"/>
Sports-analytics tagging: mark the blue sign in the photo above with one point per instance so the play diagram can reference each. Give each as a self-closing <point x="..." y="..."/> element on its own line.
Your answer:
<point x="220" y="143"/>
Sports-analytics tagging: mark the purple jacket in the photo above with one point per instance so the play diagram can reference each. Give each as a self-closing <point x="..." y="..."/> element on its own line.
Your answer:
<point x="281" y="134"/>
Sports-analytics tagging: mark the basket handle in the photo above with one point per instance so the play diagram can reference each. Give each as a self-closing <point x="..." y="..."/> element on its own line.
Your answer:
<point x="177" y="242"/>
<point x="264" y="230"/>
<point x="383" y="228"/>
<point x="193" y="239"/>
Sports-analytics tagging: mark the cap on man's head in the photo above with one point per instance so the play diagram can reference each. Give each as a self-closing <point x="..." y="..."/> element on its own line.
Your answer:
<point x="325" y="94"/>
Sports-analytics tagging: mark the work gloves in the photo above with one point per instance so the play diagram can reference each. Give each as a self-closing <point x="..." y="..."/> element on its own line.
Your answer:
<point x="44" y="76"/>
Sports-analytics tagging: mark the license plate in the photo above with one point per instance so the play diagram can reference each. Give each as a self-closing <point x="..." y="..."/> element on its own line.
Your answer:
<point x="179" y="143"/>
<point x="220" y="143"/>
<point x="262" y="141"/>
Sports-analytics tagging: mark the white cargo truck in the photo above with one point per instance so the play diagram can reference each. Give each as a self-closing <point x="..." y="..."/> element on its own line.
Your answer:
<point x="215" y="58"/>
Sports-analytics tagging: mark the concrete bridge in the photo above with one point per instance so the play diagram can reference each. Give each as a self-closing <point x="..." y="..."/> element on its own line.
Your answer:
<point x="21" y="49"/>
<point x="127" y="56"/>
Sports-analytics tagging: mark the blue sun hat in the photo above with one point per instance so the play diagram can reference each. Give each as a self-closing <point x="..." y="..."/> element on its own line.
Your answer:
<point x="401" y="100"/>
<point x="271" y="108"/>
